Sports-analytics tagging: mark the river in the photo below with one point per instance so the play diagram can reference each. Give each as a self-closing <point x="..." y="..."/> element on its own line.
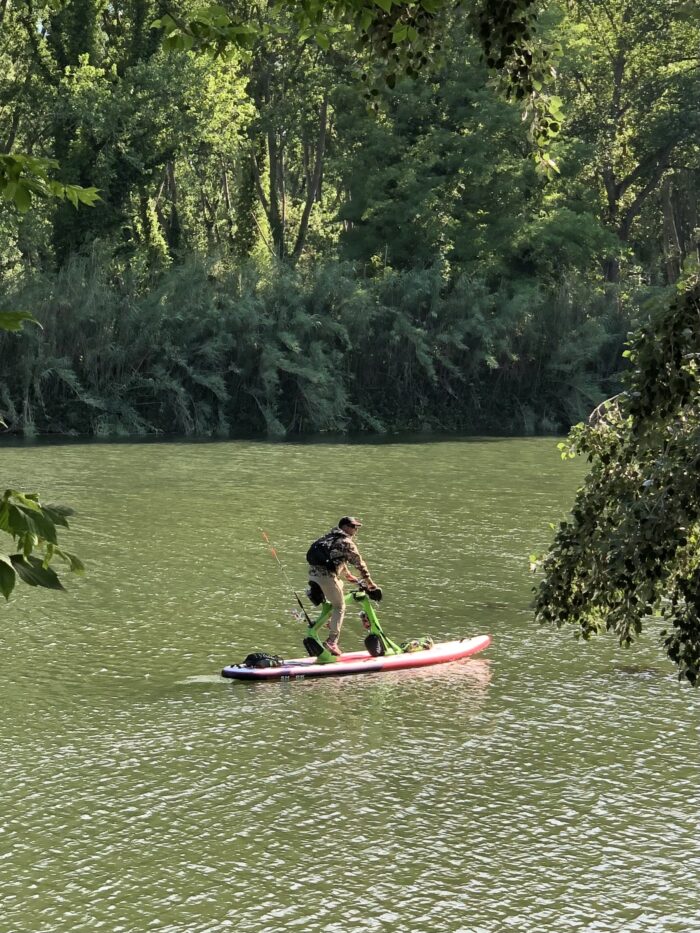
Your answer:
<point x="545" y="786"/>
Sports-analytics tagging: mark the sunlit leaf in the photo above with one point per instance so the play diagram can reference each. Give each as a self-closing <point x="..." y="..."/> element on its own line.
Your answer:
<point x="22" y="198"/>
<point x="14" y="320"/>
<point x="41" y="524"/>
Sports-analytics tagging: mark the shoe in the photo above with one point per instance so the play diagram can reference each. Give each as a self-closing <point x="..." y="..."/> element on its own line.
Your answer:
<point x="333" y="647"/>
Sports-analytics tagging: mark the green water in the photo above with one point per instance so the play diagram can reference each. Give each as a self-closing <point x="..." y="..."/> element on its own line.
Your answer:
<point x="543" y="786"/>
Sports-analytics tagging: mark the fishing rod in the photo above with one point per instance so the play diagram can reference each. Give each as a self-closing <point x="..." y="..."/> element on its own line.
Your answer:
<point x="274" y="553"/>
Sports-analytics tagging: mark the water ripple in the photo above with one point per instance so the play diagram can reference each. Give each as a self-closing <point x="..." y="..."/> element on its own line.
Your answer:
<point x="545" y="786"/>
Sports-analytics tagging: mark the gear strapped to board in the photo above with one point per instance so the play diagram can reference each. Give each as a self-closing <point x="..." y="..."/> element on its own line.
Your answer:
<point x="262" y="659"/>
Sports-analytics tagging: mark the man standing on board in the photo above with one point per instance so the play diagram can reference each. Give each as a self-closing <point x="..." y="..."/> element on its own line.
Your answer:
<point x="328" y="558"/>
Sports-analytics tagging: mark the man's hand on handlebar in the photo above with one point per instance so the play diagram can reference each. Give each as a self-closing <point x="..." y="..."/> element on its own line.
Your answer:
<point x="373" y="591"/>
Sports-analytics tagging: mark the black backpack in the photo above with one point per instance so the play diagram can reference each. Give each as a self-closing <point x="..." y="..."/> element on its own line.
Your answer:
<point x="319" y="554"/>
<point x="262" y="659"/>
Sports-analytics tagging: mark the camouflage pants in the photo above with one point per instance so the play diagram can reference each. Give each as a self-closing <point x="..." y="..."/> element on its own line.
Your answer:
<point x="332" y="588"/>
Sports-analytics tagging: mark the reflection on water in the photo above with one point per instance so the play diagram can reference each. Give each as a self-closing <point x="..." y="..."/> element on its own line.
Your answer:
<point x="543" y="786"/>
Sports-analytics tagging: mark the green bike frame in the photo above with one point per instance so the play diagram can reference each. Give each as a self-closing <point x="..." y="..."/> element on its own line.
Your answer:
<point x="364" y="603"/>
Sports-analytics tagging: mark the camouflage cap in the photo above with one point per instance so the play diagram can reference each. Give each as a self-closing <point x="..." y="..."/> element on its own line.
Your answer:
<point x="349" y="520"/>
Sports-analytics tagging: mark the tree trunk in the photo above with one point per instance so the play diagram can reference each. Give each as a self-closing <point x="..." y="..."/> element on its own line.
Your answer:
<point x="12" y="134"/>
<point x="671" y="243"/>
<point x="611" y="268"/>
<point x="313" y="191"/>
<point x="173" y="229"/>
<point x="246" y="202"/>
<point x="227" y="203"/>
<point x="275" y="212"/>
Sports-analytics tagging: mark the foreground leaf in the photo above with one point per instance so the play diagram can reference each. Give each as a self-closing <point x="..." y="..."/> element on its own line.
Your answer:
<point x="8" y="576"/>
<point x="32" y="571"/>
<point x="14" y="320"/>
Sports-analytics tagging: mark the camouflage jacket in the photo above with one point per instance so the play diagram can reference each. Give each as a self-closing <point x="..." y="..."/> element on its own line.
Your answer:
<point x="343" y="551"/>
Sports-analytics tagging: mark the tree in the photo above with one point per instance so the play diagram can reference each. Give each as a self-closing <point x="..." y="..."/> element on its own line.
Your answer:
<point x="289" y="83"/>
<point x="25" y="174"/>
<point x="631" y="72"/>
<point x="397" y="37"/>
<point x="631" y="548"/>
<point x="420" y="184"/>
<point x="91" y="89"/>
<point x="30" y="524"/>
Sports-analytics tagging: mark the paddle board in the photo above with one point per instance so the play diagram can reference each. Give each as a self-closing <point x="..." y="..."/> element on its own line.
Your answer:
<point x="361" y="662"/>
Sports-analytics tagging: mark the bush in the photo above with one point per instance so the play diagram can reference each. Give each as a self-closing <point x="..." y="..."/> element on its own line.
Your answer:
<point x="205" y="348"/>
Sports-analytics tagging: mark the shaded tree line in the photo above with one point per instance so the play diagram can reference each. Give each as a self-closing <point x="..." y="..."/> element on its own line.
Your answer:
<point x="210" y="350"/>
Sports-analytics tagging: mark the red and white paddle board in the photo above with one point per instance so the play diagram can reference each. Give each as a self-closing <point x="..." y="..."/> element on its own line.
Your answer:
<point x="361" y="662"/>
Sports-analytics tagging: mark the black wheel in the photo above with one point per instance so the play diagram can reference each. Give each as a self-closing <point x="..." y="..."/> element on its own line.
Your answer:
<point x="373" y="644"/>
<point x="313" y="647"/>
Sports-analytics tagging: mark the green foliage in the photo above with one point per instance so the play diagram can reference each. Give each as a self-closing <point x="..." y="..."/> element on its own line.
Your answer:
<point x="526" y="67"/>
<point x="15" y="320"/>
<point x="33" y="527"/>
<point x="421" y="184"/>
<point x="211" y="29"/>
<point x="630" y="548"/>
<point x="399" y="32"/>
<point x="396" y="38"/>
<point x="23" y="177"/>
<point x="274" y="152"/>
<point x="205" y="348"/>
<point x="630" y="73"/>
<point x="558" y="239"/>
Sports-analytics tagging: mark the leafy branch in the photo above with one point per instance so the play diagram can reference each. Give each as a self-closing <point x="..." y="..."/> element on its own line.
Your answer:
<point x="33" y="528"/>
<point x="23" y="177"/>
<point x="400" y="38"/>
<point x="631" y="548"/>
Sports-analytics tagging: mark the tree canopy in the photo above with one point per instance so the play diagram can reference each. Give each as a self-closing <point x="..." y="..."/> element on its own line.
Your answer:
<point x="630" y="550"/>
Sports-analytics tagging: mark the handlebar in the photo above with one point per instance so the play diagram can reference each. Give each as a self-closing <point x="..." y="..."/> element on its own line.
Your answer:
<point x="363" y="590"/>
